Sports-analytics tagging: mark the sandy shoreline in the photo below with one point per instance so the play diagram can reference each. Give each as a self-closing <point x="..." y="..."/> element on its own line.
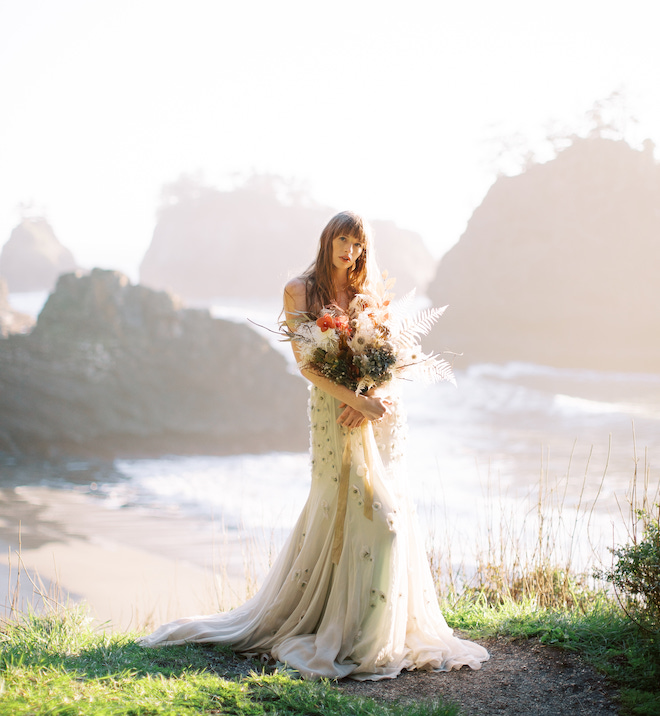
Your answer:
<point x="134" y="568"/>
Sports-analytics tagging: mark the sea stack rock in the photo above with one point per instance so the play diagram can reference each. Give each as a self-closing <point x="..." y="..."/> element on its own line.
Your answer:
<point x="246" y="243"/>
<point x="559" y="265"/>
<point x="33" y="258"/>
<point x="405" y="256"/>
<point x="116" y="369"/>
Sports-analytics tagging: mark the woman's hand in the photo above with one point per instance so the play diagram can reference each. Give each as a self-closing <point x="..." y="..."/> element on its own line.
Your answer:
<point x="350" y="417"/>
<point x="372" y="408"/>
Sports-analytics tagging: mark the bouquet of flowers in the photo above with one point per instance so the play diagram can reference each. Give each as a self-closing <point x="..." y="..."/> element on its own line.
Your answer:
<point x="370" y="343"/>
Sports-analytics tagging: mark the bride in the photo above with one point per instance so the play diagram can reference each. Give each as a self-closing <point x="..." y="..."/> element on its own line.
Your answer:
<point x="351" y="593"/>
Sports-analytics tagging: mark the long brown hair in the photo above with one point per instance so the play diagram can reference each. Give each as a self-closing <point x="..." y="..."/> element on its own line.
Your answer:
<point x="319" y="285"/>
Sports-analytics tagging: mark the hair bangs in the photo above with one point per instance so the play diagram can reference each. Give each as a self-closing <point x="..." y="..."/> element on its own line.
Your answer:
<point x="350" y="225"/>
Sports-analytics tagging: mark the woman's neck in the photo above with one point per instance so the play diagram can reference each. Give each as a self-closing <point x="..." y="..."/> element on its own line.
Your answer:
<point x="343" y="294"/>
<point x="340" y="280"/>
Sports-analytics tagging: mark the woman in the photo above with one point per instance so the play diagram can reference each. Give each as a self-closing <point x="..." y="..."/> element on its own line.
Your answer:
<point x="351" y="593"/>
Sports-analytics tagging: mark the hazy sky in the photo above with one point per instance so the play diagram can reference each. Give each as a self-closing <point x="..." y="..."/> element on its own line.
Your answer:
<point x="385" y="107"/>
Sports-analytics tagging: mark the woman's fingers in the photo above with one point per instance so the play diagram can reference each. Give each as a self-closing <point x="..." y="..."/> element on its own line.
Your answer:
<point x="350" y="417"/>
<point x="375" y="409"/>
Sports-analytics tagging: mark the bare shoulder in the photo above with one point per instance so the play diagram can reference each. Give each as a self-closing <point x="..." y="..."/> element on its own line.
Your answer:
<point x="295" y="294"/>
<point x="295" y="288"/>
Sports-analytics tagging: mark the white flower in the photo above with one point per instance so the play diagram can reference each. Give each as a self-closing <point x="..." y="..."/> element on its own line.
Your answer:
<point x="408" y="356"/>
<point x="361" y="340"/>
<point x="310" y="337"/>
<point x="364" y="326"/>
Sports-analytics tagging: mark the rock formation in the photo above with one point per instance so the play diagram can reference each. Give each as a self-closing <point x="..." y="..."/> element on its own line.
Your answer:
<point x="247" y="243"/>
<point x="11" y="321"/>
<point x="559" y="265"/>
<point x="405" y="256"/>
<point x="33" y="258"/>
<point x="116" y="369"/>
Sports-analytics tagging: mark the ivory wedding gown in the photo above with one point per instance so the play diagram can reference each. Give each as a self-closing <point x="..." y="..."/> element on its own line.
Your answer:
<point x="351" y="593"/>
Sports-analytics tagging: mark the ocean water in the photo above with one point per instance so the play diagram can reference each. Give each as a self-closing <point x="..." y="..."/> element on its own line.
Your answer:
<point x="480" y="458"/>
<point x="484" y="460"/>
<point x="478" y="455"/>
<point x="30" y="302"/>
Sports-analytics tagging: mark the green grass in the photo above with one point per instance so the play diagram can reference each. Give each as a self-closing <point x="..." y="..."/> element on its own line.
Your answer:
<point x="58" y="665"/>
<point x="599" y="631"/>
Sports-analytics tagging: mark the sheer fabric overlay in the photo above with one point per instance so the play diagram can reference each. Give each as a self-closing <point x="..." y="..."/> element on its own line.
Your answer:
<point x="351" y="596"/>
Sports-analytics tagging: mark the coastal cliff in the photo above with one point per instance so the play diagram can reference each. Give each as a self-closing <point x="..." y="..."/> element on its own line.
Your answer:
<point x="559" y="265"/>
<point x="115" y="369"/>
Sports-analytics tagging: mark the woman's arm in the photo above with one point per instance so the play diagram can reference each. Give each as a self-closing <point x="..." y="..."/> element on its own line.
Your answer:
<point x="369" y="406"/>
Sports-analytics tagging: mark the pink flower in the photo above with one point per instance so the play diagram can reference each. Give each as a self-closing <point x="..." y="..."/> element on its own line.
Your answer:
<point x="341" y="323"/>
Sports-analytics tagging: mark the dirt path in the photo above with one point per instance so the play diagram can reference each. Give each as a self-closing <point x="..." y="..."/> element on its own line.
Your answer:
<point x="522" y="678"/>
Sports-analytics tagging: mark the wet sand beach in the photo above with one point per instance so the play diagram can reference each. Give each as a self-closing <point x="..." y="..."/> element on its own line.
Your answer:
<point x="132" y="567"/>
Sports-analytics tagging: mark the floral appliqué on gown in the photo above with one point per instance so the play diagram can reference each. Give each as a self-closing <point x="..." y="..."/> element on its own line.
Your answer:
<point x="351" y="592"/>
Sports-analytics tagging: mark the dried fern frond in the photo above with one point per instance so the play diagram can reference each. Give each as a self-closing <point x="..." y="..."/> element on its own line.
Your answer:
<point x="400" y="308"/>
<point x="431" y="369"/>
<point x="364" y="384"/>
<point x="419" y="325"/>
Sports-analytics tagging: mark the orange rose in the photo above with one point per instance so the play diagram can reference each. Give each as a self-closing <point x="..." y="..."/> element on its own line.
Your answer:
<point x="325" y="321"/>
<point x="341" y="322"/>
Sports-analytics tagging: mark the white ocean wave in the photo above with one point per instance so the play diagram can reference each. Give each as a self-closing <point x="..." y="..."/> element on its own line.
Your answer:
<point x="243" y="490"/>
<point x="514" y="370"/>
<point x="573" y="404"/>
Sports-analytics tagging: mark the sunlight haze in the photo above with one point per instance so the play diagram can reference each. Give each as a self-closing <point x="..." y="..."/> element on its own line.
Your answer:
<point x="394" y="110"/>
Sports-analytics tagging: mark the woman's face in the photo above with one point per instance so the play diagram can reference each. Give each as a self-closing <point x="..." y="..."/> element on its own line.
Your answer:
<point x="345" y="251"/>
